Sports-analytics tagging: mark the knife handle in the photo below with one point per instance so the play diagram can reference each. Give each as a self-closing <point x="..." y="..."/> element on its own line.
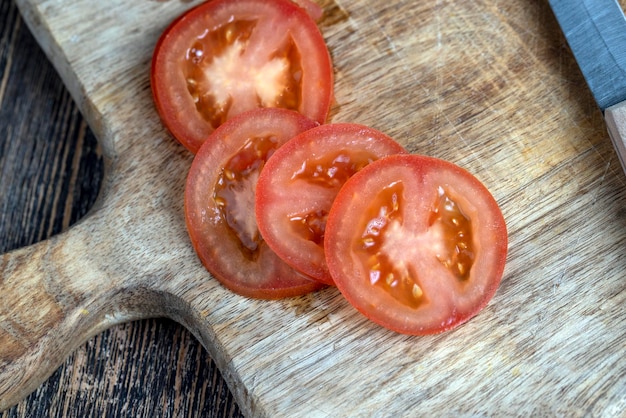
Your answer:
<point x="615" y="117"/>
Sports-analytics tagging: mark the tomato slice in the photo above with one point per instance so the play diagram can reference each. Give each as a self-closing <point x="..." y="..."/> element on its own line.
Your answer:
<point x="299" y="183"/>
<point x="219" y="204"/>
<point x="416" y="244"/>
<point x="225" y="57"/>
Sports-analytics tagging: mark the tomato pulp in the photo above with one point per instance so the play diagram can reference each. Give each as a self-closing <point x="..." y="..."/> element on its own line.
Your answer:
<point x="219" y="204"/>
<point x="299" y="183"/>
<point x="416" y="244"/>
<point x="225" y="57"/>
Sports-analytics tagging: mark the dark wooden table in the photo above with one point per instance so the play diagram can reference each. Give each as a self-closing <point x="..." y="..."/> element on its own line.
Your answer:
<point x="50" y="174"/>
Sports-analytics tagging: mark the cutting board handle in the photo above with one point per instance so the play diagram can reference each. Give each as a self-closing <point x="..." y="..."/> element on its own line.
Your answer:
<point x="53" y="298"/>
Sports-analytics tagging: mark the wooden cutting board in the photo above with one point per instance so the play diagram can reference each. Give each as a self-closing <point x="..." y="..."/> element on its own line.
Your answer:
<point x="486" y="84"/>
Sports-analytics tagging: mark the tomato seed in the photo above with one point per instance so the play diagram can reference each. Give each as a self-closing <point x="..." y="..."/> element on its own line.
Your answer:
<point x="417" y="291"/>
<point x="390" y="279"/>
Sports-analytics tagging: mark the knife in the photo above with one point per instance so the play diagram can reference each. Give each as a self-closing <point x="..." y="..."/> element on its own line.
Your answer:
<point x="596" y="33"/>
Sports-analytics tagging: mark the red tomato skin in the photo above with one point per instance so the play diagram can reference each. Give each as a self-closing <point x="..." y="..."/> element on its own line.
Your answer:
<point x="278" y="197"/>
<point x="266" y="277"/>
<point x="487" y="221"/>
<point x="175" y="106"/>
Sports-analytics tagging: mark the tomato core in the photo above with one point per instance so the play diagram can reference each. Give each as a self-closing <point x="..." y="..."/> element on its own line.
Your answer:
<point x="398" y="277"/>
<point x="235" y="190"/>
<point x="219" y="66"/>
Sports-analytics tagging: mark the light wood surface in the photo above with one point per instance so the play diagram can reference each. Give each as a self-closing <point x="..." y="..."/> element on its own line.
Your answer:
<point x="488" y="85"/>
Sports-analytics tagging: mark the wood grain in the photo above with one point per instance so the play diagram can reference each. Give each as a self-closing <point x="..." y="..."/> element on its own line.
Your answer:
<point x="50" y="175"/>
<point x="616" y="123"/>
<point x="488" y="85"/>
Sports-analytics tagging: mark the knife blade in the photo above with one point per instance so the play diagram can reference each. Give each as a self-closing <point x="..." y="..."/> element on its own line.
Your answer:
<point x="596" y="33"/>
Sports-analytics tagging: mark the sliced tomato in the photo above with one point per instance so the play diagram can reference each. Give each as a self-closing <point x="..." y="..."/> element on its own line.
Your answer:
<point x="299" y="183"/>
<point x="225" y="57"/>
<point x="219" y="204"/>
<point x="416" y="244"/>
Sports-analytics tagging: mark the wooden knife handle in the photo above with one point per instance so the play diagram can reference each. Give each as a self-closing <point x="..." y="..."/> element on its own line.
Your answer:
<point x="53" y="296"/>
<point x="616" y="124"/>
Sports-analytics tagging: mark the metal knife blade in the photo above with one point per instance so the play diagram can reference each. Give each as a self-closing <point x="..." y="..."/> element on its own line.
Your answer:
<point x="596" y="33"/>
